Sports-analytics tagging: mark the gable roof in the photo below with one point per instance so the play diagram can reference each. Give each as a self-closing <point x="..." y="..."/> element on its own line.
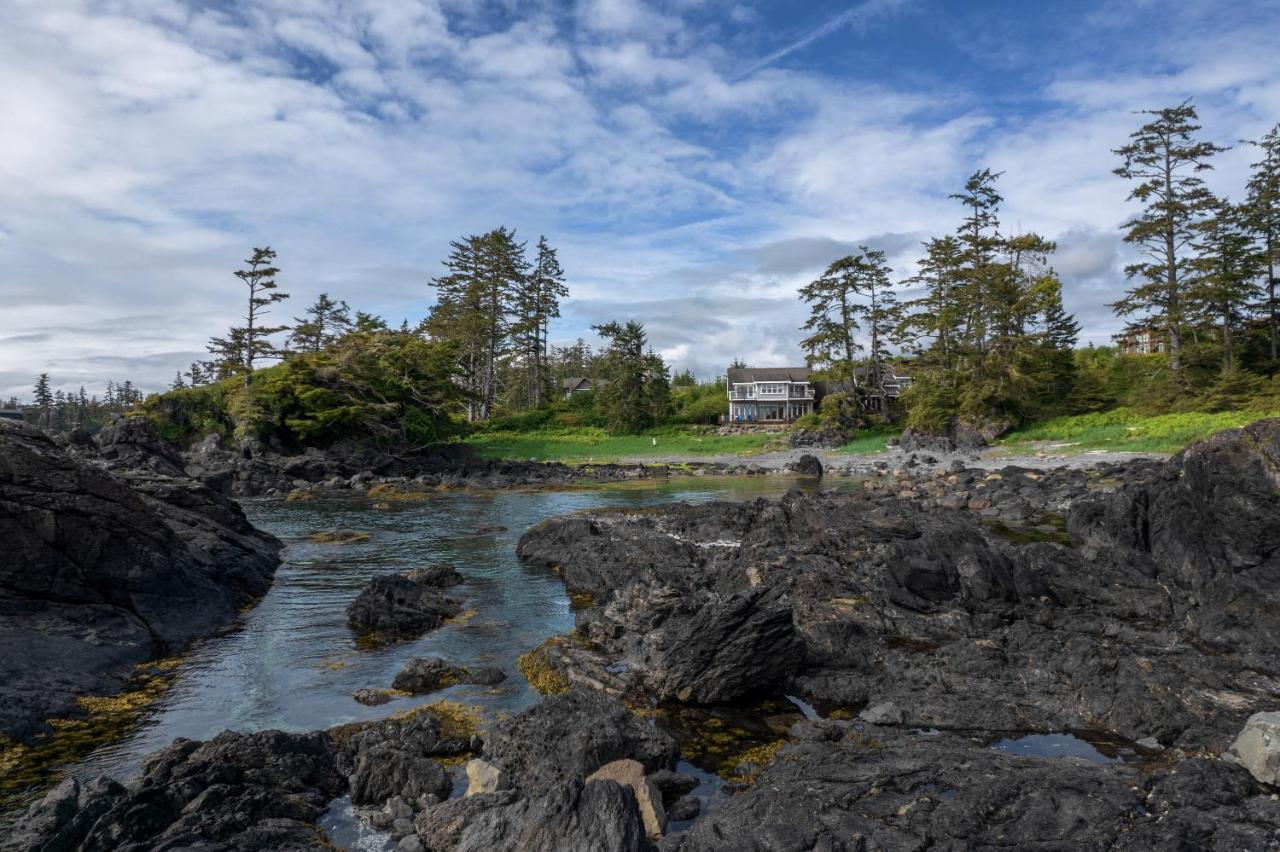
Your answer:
<point x="742" y="375"/>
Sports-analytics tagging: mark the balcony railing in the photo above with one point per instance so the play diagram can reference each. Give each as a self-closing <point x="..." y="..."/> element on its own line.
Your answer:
<point x="792" y="393"/>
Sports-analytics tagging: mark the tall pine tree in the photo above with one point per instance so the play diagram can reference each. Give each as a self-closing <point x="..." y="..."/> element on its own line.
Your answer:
<point x="244" y="345"/>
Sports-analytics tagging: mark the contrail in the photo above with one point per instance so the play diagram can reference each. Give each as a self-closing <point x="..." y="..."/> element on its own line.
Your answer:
<point x="870" y="8"/>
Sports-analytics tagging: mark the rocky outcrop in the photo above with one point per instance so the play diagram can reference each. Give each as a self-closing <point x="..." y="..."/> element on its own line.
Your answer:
<point x="260" y="791"/>
<point x="401" y="606"/>
<point x="1155" y="616"/>
<point x="916" y="791"/>
<point x="428" y="674"/>
<point x="113" y="556"/>
<point x="961" y="435"/>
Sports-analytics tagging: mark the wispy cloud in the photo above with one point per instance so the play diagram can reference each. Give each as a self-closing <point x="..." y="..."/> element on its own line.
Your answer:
<point x="859" y="16"/>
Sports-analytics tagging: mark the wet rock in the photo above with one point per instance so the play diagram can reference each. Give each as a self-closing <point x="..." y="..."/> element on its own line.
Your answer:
<point x="410" y="843"/>
<point x="372" y="697"/>
<point x="484" y="777"/>
<point x="440" y="826"/>
<point x="684" y="809"/>
<point x="806" y="465"/>
<point x="1257" y="748"/>
<point x="402" y="606"/>
<point x="112" y="556"/>
<point x="631" y="773"/>
<point x="427" y="674"/>
<point x="570" y="736"/>
<point x="673" y="784"/>
<point x="259" y="791"/>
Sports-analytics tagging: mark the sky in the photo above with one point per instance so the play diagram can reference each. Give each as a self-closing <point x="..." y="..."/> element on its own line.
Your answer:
<point x="694" y="162"/>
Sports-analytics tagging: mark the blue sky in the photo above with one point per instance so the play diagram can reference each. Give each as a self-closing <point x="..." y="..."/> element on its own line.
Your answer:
<point x="695" y="162"/>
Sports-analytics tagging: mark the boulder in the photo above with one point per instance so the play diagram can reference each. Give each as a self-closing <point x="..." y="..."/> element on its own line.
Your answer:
<point x="1257" y="748"/>
<point x="394" y="757"/>
<point x="886" y="713"/>
<point x="806" y="465"/>
<point x="599" y="817"/>
<point x="484" y="777"/>
<point x="427" y="674"/>
<point x="402" y="606"/>
<point x="631" y="773"/>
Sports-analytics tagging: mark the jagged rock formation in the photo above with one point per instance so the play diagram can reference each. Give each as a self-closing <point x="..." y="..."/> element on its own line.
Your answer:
<point x="112" y="557"/>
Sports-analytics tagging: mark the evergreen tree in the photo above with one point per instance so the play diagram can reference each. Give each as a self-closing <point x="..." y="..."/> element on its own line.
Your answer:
<point x="934" y="321"/>
<point x="834" y="308"/>
<point x="1263" y="216"/>
<point x="325" y="321"/>
<point x="243" y="345"/>
<point x="1165" y="159"/>
<point x="536" y="302"/>
<point x="43" y="397"/>
<point x="636" y="387"/>
<point x="1227" y="267"/>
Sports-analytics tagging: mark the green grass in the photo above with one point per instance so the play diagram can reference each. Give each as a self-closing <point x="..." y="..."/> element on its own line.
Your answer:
<point x="871" y="441"/>
<point x="590" y="444"/>
<point x="1122" y="430"/>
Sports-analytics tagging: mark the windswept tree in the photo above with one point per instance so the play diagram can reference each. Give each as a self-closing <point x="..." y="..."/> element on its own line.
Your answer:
<point x="1164" y="159"/>
<point x="243" y="345"/>
<point x="636" y="384"/>
<point x="1263" y="216"/>
<point x="324" y="322"/>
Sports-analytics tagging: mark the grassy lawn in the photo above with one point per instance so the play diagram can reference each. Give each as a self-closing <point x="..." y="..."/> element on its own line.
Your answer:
<point x="1122" y="430"/>
<point x="588" y="444"/>
<point x="872" y="441"/>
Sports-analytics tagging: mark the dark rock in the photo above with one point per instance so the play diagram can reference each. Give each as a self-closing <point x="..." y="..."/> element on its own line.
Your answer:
<point x="440" y="826"/>
<point x="427" y="674"/>
<point x="260" y="791"/>
<point x="913" y="791"/>
<point x="393" y="757"/>
<point x="372" y="697"/>
<point x="570" y="736"/>
<point x="109" y="560"/>
<point x="402" y="606"/>
<point x="673" y="785"/>
<point x="684" y="809"/>
<point x="806" y="465"/>
<point x="597" y="817"/>
<point x="827" y="438"/>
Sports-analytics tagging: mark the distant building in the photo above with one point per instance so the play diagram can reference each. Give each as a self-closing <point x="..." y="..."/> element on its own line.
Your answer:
<point x="783" y="394"/>
<point x="581" y="384"/>
<point x="1140" y="340"/>
<point x="10" y="414"/>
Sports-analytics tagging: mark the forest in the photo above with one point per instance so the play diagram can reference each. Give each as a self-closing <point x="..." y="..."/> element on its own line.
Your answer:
<point x="979" y="324"/>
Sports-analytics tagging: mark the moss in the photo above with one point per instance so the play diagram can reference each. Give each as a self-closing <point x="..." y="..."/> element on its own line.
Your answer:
<point x="26" y="768"/>
<point x="462" y="617"/>
<point x="338" y="537"/>
<point x="747" y="766"/>
<point x="580" y="600"/>
<point x="299" y="495"/>
<point x="386" y="491"/>
<point x="540" y="672"/>
<point x="1027" y="534"/>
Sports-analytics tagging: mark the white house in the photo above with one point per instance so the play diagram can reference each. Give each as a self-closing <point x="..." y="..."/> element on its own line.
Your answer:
<point x="769" y="394"/>
<point x="781" y="394"/>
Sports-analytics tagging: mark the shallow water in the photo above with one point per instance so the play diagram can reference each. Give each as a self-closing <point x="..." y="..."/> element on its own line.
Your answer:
<point x="293" y="664"/>
<point x="1061" y="745"/>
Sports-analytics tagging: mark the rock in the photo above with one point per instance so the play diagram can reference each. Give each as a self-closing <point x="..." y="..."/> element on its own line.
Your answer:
<point x="410" y="843"/>
<point x="440" y="826"/>
<point x="826" y="437"/>
<point x="806" y="465"/>
<point x="372" y="697"/>
<point x="631" y="773"/>
<point x="112" y="557"/>
<point x="261" y="791"/>
<point x="402" y="606"/>
<point x="1257" y="748"/>
<point x="885" y="713"/>
<point x="427" y="674"/>
<point x="599" y="817"/>
<point x="393" y="757"/>
<point x="571" y="735"/>
<point x="684" y="809"/>
<point x="487" y="676"/>
<point x="916" y="791"/>
<point x="484" y="777"/>
<point x="673" y="784"/>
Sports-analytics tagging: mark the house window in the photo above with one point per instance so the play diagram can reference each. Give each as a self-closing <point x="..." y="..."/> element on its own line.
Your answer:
<point x="773" y="388"/>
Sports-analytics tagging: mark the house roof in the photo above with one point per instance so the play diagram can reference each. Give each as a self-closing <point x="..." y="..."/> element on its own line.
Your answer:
<point x="743" y="375"/>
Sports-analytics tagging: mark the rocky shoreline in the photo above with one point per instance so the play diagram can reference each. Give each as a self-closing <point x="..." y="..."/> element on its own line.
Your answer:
<point x="113" y="557"/>
<point x="921" y="623"/>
